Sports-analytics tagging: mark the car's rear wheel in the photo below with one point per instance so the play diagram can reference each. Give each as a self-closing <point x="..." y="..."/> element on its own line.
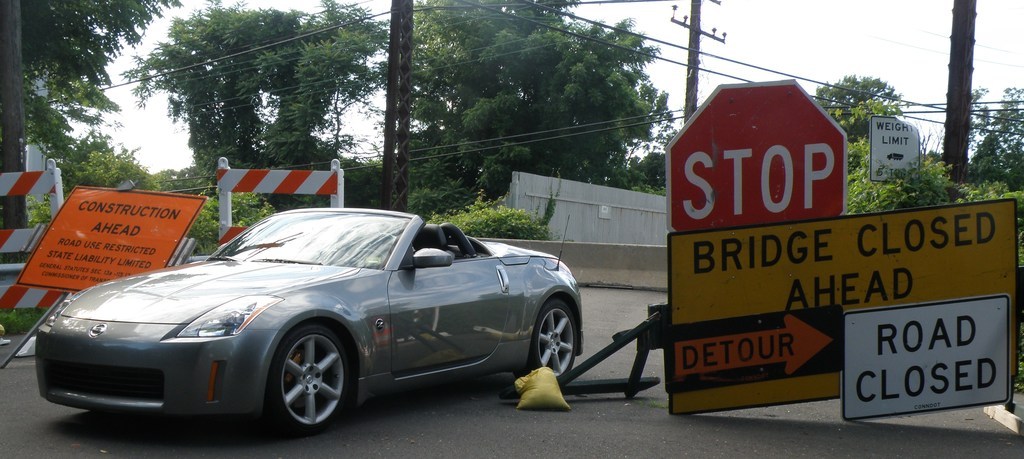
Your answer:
<point x="554" y="338"/>
<point x="306" y="385"/>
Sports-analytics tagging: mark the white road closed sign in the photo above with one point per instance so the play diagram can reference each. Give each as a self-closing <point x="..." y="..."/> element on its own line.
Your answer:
<point x="926" y="357"/>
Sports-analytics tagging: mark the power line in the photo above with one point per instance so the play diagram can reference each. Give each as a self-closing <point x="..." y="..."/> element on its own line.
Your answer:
<point x="556" y="11"/>
<point x="604" y="42"/>
<point x="898" y="100"/>
<point x="570" y="128"/>
<point x="601" y="126"/>
<point x="297" y="55"/>
<point x="561" y="30"/>
<point x="529" y="141"/>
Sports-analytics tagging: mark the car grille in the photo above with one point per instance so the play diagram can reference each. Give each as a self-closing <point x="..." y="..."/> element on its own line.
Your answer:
<point x="106" y="380"/>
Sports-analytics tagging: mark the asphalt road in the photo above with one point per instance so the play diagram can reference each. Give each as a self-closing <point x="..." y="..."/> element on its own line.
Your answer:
<point x="469" y="420"/>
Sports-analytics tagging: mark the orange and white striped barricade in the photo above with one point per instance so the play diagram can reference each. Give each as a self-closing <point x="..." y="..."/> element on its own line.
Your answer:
<point x="47" y="181"/>
<point x="321" y="183"/>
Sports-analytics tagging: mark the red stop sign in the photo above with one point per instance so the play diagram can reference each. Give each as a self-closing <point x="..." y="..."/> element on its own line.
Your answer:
<point x="756" y="153"/>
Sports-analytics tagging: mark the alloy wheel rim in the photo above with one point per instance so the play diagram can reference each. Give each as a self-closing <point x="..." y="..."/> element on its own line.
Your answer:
<point x="313" y="379"/>
<point x="556" y="341"/>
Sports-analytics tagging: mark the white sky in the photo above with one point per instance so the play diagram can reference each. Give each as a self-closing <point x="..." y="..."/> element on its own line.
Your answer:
<point x="905" y="43"/>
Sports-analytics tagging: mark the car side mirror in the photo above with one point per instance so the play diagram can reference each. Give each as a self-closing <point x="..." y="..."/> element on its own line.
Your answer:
<point x="432" y="258"/>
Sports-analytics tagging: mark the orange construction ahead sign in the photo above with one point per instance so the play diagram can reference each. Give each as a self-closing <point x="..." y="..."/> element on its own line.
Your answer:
<point x="101" y="234"/>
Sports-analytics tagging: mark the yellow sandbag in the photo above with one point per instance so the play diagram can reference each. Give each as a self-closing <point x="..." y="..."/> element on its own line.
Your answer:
<point x="539" y="391"/>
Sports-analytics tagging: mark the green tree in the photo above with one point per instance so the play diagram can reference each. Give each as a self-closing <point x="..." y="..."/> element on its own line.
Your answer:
<point x="646" y="168"/>
<point x="187" y="180"/>
<point x="433" y="190"/>
<point x="999" y="142"/>
<point x="648" y="173"/>
<point x="93" y="160"/>
<point x="854" y="99"/>
<point x="66" y="46"/>
<point x="362" y="182"/>
<point x="266" y="88"/>
<point x="516" y="87"/>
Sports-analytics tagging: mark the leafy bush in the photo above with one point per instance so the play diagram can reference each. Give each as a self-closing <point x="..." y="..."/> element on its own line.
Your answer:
<point x="488" y="219"/>
<point x="926" y="185"/>
<point x="20" y="320"/>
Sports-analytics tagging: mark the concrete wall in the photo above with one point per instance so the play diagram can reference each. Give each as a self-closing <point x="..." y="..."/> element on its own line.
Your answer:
<point x="614" y="237"/>
<point x="591" y="213"/>
<point x="625" y="265"/>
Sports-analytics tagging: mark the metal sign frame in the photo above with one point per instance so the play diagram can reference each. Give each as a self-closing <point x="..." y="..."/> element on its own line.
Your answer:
<point x="852" y="262"/>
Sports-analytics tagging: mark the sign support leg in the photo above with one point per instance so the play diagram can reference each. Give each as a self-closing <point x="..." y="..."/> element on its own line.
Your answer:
<point x="31" y="333"/>
<point x="629" y="387"/>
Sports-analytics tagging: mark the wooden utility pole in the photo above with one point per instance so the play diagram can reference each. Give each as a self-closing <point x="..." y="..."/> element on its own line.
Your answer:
<point x="958" y="93"/>
<point x="394" y="193"/>
<point x="404" y="109"/>
<point x="693" y="56"/>
<point x="12" y="119"/>
<point x="387" y="182"/>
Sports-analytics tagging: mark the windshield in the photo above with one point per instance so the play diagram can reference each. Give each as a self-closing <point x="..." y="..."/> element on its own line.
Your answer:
<point x="321" y="238"/>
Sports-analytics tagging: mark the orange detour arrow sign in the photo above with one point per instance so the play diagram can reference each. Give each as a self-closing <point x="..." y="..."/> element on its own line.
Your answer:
<point x="794" y="344"/>
<point x="755" y="360"/>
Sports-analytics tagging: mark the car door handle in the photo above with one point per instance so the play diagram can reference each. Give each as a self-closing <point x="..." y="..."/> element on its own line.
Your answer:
<point x="503" y="279"/>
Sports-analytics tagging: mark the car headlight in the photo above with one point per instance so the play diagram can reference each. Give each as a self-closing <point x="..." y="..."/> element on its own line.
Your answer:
<point x="229" y="318"/>
<point x="52" y="318"/>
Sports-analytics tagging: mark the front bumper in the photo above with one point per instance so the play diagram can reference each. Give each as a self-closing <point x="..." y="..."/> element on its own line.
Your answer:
<point x="144" y="369"/>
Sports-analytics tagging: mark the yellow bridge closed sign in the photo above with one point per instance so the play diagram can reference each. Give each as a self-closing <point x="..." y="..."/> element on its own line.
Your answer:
<point x="782" y="289"/>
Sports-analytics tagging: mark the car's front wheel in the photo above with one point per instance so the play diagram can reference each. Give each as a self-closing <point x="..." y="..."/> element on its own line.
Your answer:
<point x="306" y="385"/>
<point x="554" y="338"/>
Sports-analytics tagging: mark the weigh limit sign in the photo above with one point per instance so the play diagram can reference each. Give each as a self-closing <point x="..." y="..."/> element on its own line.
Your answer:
<point x="845" y="263"/>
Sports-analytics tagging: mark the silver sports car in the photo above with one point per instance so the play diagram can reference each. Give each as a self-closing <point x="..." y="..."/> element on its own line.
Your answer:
<point x="306" y="312"/>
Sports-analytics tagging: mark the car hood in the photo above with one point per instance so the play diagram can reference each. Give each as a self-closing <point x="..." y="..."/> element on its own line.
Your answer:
<point x="180" y="294"/>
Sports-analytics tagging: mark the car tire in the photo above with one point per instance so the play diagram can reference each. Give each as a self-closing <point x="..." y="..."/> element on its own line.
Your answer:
<point x="553" y="343"/>
<point x="307" y="383"/>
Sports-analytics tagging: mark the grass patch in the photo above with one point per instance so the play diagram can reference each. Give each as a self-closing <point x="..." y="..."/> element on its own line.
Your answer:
<point x="20" y="320"/>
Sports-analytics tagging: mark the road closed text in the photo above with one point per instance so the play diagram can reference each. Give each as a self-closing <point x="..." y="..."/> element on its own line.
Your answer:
<point x="925" y="357"/>
<point x="935" y="377"/>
